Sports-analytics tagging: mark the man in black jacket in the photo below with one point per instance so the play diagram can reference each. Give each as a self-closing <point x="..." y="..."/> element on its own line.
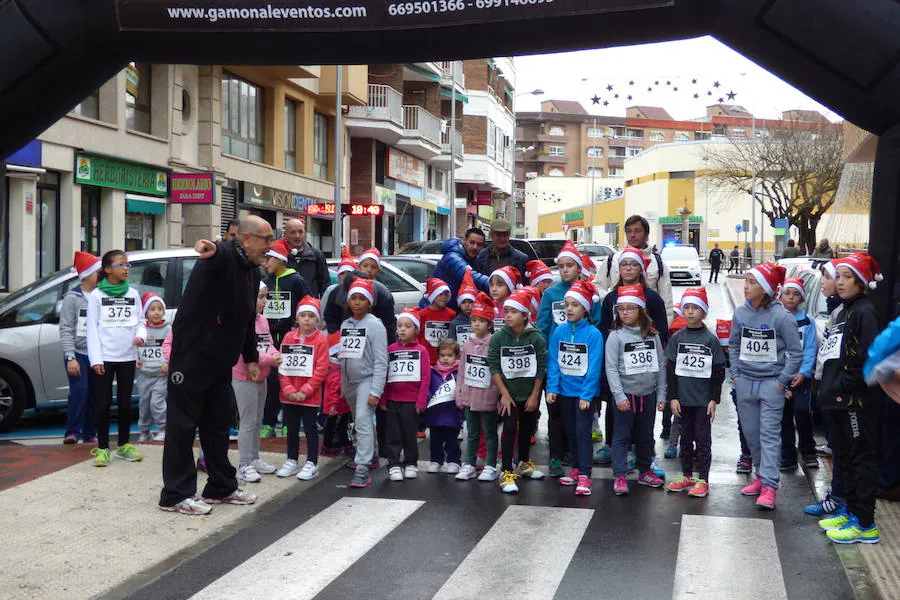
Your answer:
<point x="716" y="258"/>
<point x="306" y="260"/>
<point x="214" y="326"/>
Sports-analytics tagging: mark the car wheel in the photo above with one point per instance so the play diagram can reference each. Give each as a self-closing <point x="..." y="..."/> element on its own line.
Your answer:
<point x="13" y="396"/>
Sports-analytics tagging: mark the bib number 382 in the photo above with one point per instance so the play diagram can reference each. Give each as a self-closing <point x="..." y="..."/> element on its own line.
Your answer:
<point x="759" y="345"/>
<point x="296" y="360"/>
<point x="518" y="361"/>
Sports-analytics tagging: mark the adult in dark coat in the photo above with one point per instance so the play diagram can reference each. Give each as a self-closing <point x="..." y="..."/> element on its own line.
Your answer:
<point x="500" y="253"/>
<point x="305" y="259"/>
<point x="716" y="258"/>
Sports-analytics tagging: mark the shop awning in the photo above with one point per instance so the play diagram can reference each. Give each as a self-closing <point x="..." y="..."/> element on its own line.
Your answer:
<point x="423" y="72"/>
<point x="445" y="93"/>
<point x="145" y="205"/>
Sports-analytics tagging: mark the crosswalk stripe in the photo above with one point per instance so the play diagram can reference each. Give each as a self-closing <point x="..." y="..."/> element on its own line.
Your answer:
<point x="303" y="562"/>
<point x="537" y="543"/>
<point x="711" y="551"/>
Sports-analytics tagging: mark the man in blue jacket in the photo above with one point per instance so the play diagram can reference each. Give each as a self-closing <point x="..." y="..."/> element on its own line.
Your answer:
<point x="459" y="256"/>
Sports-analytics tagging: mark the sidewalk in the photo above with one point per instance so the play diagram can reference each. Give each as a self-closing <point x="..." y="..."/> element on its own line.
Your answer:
<point x="877" y="575"/>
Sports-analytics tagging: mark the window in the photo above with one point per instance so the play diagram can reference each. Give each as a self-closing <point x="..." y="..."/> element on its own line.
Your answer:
<point x="738" y="133"/>
<point x="150" y="276"/>
<point x="290" y="135"/>
<point x="595" y="172"/>
<point x="242" y="118"/>
<point x="595" y="152"/>
<point x="637" y="134"/>
<point x="491" y="138"/>
<point x="89" y="107"/>
<point x="418" y="270"/>
<point x="702" y="135"/>
<point x="682" y="137"/>
<point x="438" y="179"/>
<point x="320" y="146"/>
<point x="139" y="231"/>
<point x="137" y="96"/>
<point x="556" y="151"/>
<point x="34" y="311"/>
<point x="595" y="132"/>
<point x="557" y="172"/>
<point x="617" y="153"/>
<point x="762" y="134"/>
<point x="632" y="151"/>
<point x="616" y="172"/>
<point x="90" y="219"/>
<point x="657" y="136"/>
<point x="557" y="130"/>
<point x="47" y="215"/>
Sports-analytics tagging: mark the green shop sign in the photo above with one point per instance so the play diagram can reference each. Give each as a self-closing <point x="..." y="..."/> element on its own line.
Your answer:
<point x="574" y="215"/>
<point x="678" y="220"/>
<point x="111" y="173"/>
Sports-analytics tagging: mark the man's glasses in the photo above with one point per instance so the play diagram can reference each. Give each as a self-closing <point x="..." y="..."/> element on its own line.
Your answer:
<point x="266" y="238"/>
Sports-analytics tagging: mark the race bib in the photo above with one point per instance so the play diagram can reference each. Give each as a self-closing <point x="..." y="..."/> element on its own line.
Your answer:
<point x="518" y="361"/>
<point x="118" y="312"/>
<point x="353" y="342"/>
<point x="296" y="360"/>
<point x="559" y="312"/>
<point x="435" y="331"/>
<point x="463" y="333"/>
<point x="445" y="393"/>
<point x="478" y="374"/>
<point x="404" y="365"/>
<point x="573" y="359"/>
<point x="831" y="346"/>
<point x="640" y="357"/>
<point x="693" y="360"/>
<point x="151" y="354"/>
<point x="263" y="341"/>
<point x="499" y="322"/>
<point x="81" y="324"/>
<point x="278" y="305"/>
<point x="758" y="345"/>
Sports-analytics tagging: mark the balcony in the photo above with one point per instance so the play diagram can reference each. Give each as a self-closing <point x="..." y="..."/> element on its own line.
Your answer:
<point x="616" y="162"/>
<point x="447" y="74"/>
<point x="421" y="133"/>
<point x="443" y="160"/>
<point x="552" y="139"/>
<point x="380" y="118"/>
<point x="552" y="159"/>
<point x="617" y="142"/>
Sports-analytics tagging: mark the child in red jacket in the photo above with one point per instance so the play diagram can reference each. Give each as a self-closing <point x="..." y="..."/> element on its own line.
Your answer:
<point x="304" y="364"/>
<point x="436" y="318"/>
<point x="335" y="437"/>
<point x="405" y="396"/>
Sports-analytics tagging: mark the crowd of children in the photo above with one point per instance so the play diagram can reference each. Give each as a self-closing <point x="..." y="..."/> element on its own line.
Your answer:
<point x="489" y="365"/>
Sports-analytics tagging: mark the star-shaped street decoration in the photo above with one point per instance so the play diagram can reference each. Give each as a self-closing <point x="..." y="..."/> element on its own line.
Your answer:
<point x="716" y="84"/>
<point x="668" y="83"/>
<point x="595" y="99"/>
<point x="616" y="96"/>
<point x="606" y="103"/>
<point x="731" y="95"/>
<point x="631" y="82"/>
<point x="650" y="89"/>
<point x="696" y="96"/>
<point x="675" y="89"/>
<point x="609" y="88"/>
<point x="693" y="81"/>
<point x="721" y="100"/>
<point x="629" y="97"/>
<point x="656" y="82"/>
<point x="709" y="92"/>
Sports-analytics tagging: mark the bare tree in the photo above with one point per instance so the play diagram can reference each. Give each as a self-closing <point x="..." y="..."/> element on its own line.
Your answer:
<point x="797" y="169"/>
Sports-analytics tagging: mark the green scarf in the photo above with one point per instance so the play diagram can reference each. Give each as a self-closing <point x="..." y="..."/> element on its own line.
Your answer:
<point x="116" y="290"/>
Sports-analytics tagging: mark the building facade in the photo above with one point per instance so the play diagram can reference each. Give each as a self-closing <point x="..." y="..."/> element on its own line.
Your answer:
<point x="561" y="207"/>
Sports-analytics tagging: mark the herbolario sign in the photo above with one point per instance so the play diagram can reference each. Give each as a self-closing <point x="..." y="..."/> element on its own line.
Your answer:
<point x="348" y="15"/>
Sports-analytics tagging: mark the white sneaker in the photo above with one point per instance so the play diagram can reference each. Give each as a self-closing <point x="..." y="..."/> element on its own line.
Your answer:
<point x="434" y="468"/>
<point x="309" y="471"/>
<point x="411" y="472"/>
<point x="395" y="474"/>
<point x="488" y="474"/>
<point x="262" y="467"/>
<point x="160" y="436"/>
<point x="248" y="473"/>
<point x="467" y="472"/>
<point x="508" y="482"/>
<point x="189" y="506"/>
<point x="452" y="469"/>
<point x="290" y="467"/>
<point x="479" y="463"/>
<point x="145" y="436"/>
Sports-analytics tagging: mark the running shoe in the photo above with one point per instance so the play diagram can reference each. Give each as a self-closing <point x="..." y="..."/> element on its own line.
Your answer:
<point x="744" y="464"/>
<point x="128" y="453"/>
<point x="309" y="471"/>
<point x="754" y="488"/>
<point x="603" y="456"/>
<point x="650" y="479"/>
<point x="854" y="533"/>
<point x="836" y="521"/>
<point x="681" y="484"/>
<point x="290" y="467"/>
<point x="555" y="468"/>
<point x="360" y="480"/>
<point x="238" y="496"/>
<point x="700" y="489"/>
<point x="529" y="470"/>
<point x="267" y="431"/>
<point x="571" y="478"/>
<point x="508" y="482"/>
<point x="101" y="457"/>
<point x="189" y="506"/>
<point x="620" y="486"/>
<point x="828" y="506"/>
<point x="671" y="451"/>
<point x="766" y="498"/>
<point x="466" y="472"/>
<point x="584" y="486"/>
<point x="248" y="474"/>
<point x="489" y="473"/>
<point x="395" y="474"/>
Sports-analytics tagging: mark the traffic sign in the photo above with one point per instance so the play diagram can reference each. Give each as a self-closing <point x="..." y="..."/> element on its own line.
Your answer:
<point x="565" y="227"/>
<point x="738" y="228"/>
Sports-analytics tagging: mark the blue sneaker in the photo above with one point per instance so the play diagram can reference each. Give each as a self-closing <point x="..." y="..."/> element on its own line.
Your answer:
<point x="671" y="451"/>
<point x="629" y="463"/>
<point x="657" y="470"/>
<point x="603" y="456"/>
<point x="232" y="432"/>
<point x="828" y="506"/>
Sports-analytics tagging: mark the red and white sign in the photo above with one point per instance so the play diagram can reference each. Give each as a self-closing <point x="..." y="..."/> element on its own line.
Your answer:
<point x="406" y="168"/>
<point x="566" y="227"/>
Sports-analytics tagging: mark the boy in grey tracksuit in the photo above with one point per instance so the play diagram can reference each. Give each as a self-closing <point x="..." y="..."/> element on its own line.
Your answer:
<point x="73" y="339"/>
<point x="152" y="374"/>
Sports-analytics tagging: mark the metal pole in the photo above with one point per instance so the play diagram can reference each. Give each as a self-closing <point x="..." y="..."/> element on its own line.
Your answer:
<point x="753" y="193"/>
<point x="451" y="221"/>
<point x="338" y="162"/>
<point x="590" y="236"/>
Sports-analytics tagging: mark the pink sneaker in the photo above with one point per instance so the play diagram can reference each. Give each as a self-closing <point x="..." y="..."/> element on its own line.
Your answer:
<point x="754" y="488"/>
<point x="620" y="487"/>
<point x="584" y="486"/>
<point x="766" y="498"/>
<point x="571" y="478"/>
<point x="650" y="479"/>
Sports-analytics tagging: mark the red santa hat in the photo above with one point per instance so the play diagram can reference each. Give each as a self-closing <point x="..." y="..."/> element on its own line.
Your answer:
<point x="434" y="287"/>
<point x="347" y="264"/>
<point x="509" y="275"/>
<point x="570" y="251"/>
<point x="831" y="268"/>
<point x="769" y="276"/>
<point x="723" y="330"/>
<point x="864" y="266"/>
<point x="484" y="307"/>
<point x="537" y="271"/>
<point x="587" y="266"/>
<point x="534" y="296"/>
<point x="631" y="294"/>
<point x="676" y="308"/>
<point x="519" y="300"/>
<point x="86" y="264"/>
<point x="697" y="297"/>
<point x="364" y="287"/>
<point x="280" y="250"/>
<point x="149" y="298"/>
<point x="310" y="305"/>
<point x="636" y="255"/>
<point x="584" y="293"/>
<point x="412" y="314"/>
<point x="372" y="253"/>
<point x="794" y="283"/>
<point x="467" y="289"/>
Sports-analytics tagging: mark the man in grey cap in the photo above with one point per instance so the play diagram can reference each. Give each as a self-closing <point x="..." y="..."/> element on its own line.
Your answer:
<point x="500" y="253"/>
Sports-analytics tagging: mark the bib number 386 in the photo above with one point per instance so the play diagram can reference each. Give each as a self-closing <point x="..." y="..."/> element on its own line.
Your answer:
<point x="640" y="357"/>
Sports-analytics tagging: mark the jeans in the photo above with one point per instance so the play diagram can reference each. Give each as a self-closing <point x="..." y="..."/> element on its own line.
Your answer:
<point x="293" y="414"/>
<point x="797" y="409"/>
<point x="516" y="426"/>
<point x="556" y="431"/>
<point x="123" y="372"/>
<point x="80" y="414"/>
<point x="696" y="429"/>
<point x="152" y="405"/>
<point x="357" y="395"/>
<point x="251" y="400"/>
<point x="401" y="428"/>
<point x="578" y="424"/>
<point x="476" y="423"/>
<point x="856" y="437"/>
<point x="445" y="445"/>
<point x="760" y="408"/>
<point x="633" y="426"/>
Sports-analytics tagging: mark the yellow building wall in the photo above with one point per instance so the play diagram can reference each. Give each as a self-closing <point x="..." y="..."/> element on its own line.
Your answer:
<point x="681" y="192"/>
<point x="607" y="212"/>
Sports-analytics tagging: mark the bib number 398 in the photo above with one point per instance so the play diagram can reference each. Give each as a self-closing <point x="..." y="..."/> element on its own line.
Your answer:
<point x="518" y="361"/>
<point x="759" y="345"/>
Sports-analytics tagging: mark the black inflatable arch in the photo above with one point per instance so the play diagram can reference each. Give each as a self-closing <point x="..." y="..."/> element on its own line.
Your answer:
<point x="845" y="54"/>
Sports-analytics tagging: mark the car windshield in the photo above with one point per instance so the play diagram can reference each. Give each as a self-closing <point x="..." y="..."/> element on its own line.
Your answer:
<point x="13" y="297"/>
<point x="679" y="253"/>
<point x="547" y="248"/>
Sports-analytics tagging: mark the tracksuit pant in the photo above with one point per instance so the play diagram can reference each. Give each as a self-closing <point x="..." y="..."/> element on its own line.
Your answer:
<point x="556" y="430"/>
<point x="251" y="399"/>
<point x="80" y="413"/>
<point x="153" y="390"/>
<point x="578" y="424"/>
<point x="517" y="425"/>
<point x="445" y="444"/>
<point x="123" y="372"/>
<point x="696" y="429"/>
<point x="745" y="449"/>
<point x="357" y="395"/>
<point x="273" y="400"/>
<point x="760" y="410"/>
<point x="856" y="438"/>
<point x="293" y="414"/>
<point x="797" y="410"/>
<point x="401" y="428"/>
<point x="714" y="271"/>
<point x="634" y="426"/>
<point x="477" y="422"/>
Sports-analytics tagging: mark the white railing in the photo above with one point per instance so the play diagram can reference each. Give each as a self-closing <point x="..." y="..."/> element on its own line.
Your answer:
<point x="385" y="104"/>
<point x="447" y="68"/>
<point x="418" y="122"/>
<point x="457" y="142"/>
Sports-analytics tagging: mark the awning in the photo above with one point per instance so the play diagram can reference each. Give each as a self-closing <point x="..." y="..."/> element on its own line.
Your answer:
<point x="461" y="97"/>
<point x="423" y="72"/>
<point x="145" y="205"/>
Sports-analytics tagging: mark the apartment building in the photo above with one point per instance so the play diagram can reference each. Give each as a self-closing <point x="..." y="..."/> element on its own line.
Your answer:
<point x="163" y="155"/>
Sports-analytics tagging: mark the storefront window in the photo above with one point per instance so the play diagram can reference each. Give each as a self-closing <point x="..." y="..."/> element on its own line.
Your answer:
<point x="404" y="222"/>
<point x="47" y="230"/>
<point x="320" y="146"/>
<point x="139" y="230"/>
<point x="90" y="219"/>
<point x="89" y="107"/>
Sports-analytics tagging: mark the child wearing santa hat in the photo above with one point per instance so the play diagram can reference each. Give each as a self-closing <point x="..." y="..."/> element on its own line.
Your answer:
<point x="436" y="318"/>
<point x="370" y="262"/>
<point x="854" y="409"/>
<point x="153" y="370"/>
<point x="539" y="275"/>
<point x="765" y="352"/>
<point x="502" y="282"/>
<point x="461" y="326"/>
<point x="73" y="339"/>
<point x="695" y="366"/>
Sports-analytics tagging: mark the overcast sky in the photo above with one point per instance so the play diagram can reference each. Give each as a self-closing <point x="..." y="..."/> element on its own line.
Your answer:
<point x="582" y="75"/>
